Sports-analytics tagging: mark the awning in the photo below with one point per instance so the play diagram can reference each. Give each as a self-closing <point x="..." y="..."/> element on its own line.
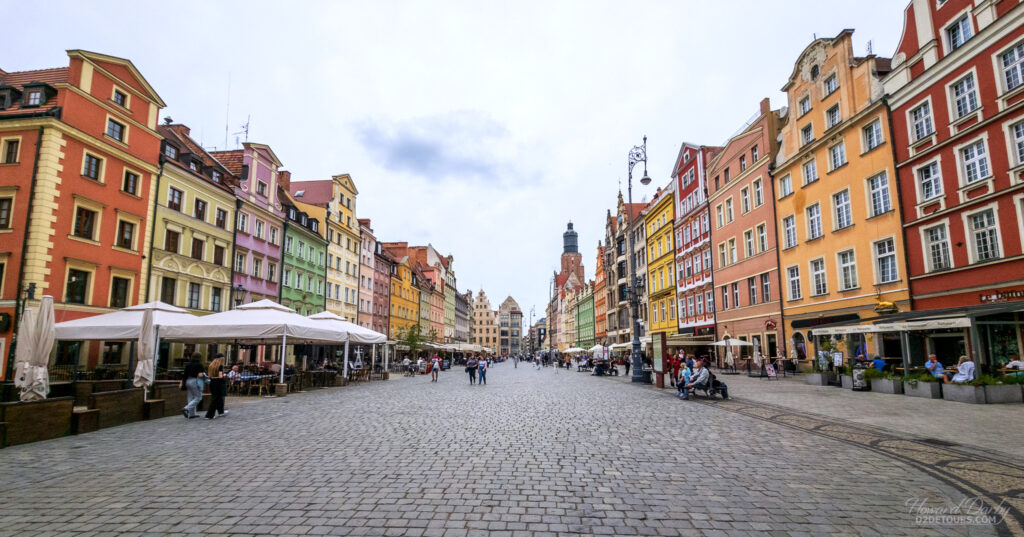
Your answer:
<point x="688" y="340"/>
<point x="905" y="326"/>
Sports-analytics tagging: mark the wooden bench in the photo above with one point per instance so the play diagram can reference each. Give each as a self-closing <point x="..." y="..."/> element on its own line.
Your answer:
<point x="84" y="420"/>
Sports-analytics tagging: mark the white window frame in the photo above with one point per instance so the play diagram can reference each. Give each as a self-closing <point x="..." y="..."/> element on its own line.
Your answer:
<point x="847" y="270"/>
<point x="804" y="131"/>
<point x="793" y="277"/>
<point x="837" y="156"/>
<point x="811" y="221"/>
<point x="1017" y="67"/>
<point x="872" y="132"/>
<point x="785" y="185"/>
<point x="935" y="179"/>
<point x="981" y="160"/>
<point x="876" y="260"/>
<point x="883" y="192"/>
<point x="842" y="209"/>
<point x="972" y="248"/>
<point x="929" y="120"/>
<point x="956" y="21"/>
<point x="819" y="275"/>
<point x="970" y="95"/>
<point x="831" y="121"/>
<point x="789" y="235"/>
<point x="927" y="245"/>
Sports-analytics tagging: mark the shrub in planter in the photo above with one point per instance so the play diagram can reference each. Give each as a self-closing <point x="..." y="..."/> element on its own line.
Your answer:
<point x="967" y="392"/>
<point x="817" y="378"/>
<point x="1006" y="389"/>
<point x="922" y="385"/>
<point x="885" y="383"/>
<point x="847" y="382"/>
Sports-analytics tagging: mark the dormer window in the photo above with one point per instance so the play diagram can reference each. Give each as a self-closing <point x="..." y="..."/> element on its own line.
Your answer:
<point x="4" y="99"/>
<point x="215" y="175"/>
<point x="170" y="151"/>
<point x="315" y="226"/>
<point x="303" y="220"/>
<point x="120" y="98"/>
<point x="195" y="166"/>
<point x="34" y="97"/>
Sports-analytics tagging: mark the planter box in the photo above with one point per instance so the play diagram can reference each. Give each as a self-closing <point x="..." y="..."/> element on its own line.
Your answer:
<point x="894" y="386"/>
<point x="118" y="407"/>
<point x="36" y="420"/>
<point x="817" y="379"/>
<point x="174" y="397"/>
<point x="964" y="393"/>
<point x="1004" y="393"/>
<point x="84" y="388"/>
<point x="928" y="390"/>
<point x="847" y="382"/>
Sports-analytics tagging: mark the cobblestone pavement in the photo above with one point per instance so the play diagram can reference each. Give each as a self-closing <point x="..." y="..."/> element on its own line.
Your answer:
<point x="534" y="453"/>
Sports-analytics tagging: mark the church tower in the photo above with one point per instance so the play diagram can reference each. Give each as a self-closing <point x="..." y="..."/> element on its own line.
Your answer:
<point x="572" y="261"/>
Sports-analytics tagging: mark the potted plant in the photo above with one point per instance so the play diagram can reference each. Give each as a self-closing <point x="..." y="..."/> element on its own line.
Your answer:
<point x="820" y="376"/>
<point x="922" y="385"/>
<point x="967" y="392"/>
<point x="1005" y="389"/>
<point x="846" y="376"/>
<point x="884" y="382"/>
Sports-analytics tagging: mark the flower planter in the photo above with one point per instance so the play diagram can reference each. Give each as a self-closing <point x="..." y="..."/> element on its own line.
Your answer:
<point x="928" y="390"/>
<point x="817" y="379"/>
<point x="964" y="393"/>
<point x="893" y="386"/>
<point x="1004" y="393"/>
<point x="847" y="382"/>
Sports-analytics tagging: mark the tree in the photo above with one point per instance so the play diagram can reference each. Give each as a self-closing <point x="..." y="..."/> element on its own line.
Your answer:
<point x="413" y="339"/>
<point x="432" y="335"/>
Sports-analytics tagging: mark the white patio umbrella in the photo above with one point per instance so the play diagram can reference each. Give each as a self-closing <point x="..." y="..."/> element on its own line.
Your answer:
<point x="123" y="324"/>
<point x="356" y="333"/>
<point x="35" y="341"/>
<point x="145" y="350"/>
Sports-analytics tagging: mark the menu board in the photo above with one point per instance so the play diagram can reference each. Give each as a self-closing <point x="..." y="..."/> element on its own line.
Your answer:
<point x="658" y="351"/>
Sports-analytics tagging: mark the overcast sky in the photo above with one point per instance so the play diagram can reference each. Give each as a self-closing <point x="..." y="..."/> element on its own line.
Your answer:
<point x="480" y="127"/>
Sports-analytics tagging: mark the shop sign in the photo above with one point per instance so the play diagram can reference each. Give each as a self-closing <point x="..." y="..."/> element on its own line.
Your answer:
<point x="1002" y="296"/>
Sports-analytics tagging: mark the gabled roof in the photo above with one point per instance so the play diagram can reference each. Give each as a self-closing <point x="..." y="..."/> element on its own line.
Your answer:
<point x="318" y="192"/>
<point x="180" y="134"/>
<point x="18" y="80"/>
<point x="232" y="160"/>
<point x="95" y="57"/>
<point x="264" y="147"/>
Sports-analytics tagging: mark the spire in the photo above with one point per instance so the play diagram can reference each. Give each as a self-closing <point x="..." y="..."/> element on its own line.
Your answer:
<point x="570" y="241"/>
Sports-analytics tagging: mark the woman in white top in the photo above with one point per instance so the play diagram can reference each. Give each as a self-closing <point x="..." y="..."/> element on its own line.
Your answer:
<point x="964" y="371"/>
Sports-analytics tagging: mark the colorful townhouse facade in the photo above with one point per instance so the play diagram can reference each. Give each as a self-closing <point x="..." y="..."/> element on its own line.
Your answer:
<point x="638" y="236"/>
<point x="194" y="226"/>
<point x="304" y="259"/>
<point x="746" y="270"/>
<point x="841" y="243"/>
<point x="693" y="246"/>
<point x="463" y="313"/>
<point x="383" y="268"/>
<point x="367" y="269"/>
<point x="585" y="336"/>
<point x="404" y="312"/>
<point x="259" y="221"/>
<point x="600" y="296"/>
<point x="79" y="164"/>
<point x="661" y="262"/>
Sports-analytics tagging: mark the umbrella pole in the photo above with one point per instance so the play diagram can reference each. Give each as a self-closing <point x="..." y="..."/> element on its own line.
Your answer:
<point x="374" y="358"/>
<point x="345" y="366"/>
<point x="284" y="341"/>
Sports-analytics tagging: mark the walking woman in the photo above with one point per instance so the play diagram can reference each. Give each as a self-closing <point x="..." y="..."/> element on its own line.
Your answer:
<point x="192" y="381"/>
<point x="483" y="371"/>
<point x="471" y="369"/>
<point x="218" y="387"/>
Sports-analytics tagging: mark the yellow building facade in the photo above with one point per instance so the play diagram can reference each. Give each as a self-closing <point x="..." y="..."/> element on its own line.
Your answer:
<point x="405" y="300"/>
<point x="661" y="258"/>
<point x="839" y="230"/>
<point x="344" y="246"/>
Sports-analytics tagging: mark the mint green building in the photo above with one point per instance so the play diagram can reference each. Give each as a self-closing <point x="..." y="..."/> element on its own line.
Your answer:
<point x="304" y="261"/>
<point x="585" y="318"/>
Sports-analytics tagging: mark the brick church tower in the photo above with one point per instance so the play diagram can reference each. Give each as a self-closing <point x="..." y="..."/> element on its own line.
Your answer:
<point x="572" y="261"/>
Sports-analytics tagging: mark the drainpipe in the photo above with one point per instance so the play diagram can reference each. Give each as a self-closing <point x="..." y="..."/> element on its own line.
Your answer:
<point x="234" y="243"/>
<point x="284" y="239"/>
<point x="152" y="229"/>
<point x="18" y="302"/>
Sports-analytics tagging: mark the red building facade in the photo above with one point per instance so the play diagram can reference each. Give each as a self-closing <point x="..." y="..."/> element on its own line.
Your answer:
<point x="956" y="94"/>
<point x="79" y="155"/>
<point x="694" y="287"/>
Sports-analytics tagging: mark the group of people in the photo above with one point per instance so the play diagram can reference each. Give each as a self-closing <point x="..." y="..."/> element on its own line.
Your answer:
<point x="964" y="370"/>
<point x="194" y="382"/>
<point x="690" y="373"/>
<point x="476" y="368"/>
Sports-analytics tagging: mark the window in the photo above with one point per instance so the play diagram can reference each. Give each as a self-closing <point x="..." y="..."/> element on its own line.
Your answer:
<point x="813" y="221"/>
<point x="743" y="162"/>
<point x="170" y="151"/>
<point x="873" y="135"/>
<point x="709" y="301"/>
<point x="125" y="235"/>
<point x="259" y="226"/>
<point x="762" y="238"/>
<point x="91" y="167"/>
<point x="735" y="295"/>
<point x="1013" y="66"/>
<point x="752" y="290"/>
<point x="119" y="288"/>
<point x="5" y="213"/>
<point x="930" y="181"/>
<point x="77" y="286"/>
<point x="885" y="257"/>
<point x="753" y="154"/>
<point x="193" y="295"/>
<point x="975" y="162"/>
<point x="700" y="304"/>
<point x="725" y="297"/>
<point x="718" y="216"/>
<point x="195" y="166"/>
<point x="11" y="152"/>
<point x="789" y="231"/>
<point x="85" y="223"/>
<point x="243" y="222"/>
<point x="958" y="33"/>
<point x="221" y="220"/>
<point x="1018" y="140"/>
<point x="34" y="98"/>
<point x="130" y="183"/>
<point x="805" y="105"/>
<point x="937" y="243"/>
<point x="810" y="169"/>
<point x="831" y="85"/>
<point x="732" y="250"/>
<point x="986" y="240"/>
<point x="818" y="277"/>
<point x="197" y="249"/>
<point x="240" y="262"/>
<point x="261" y="188"/>
<point x="758" y="194"/>
<point x="171" y="241"/>
<point x="174" y="199"/>
<point x="965" y="98"/>
<point x="218" y="255"/>
<point x="115" y="130"/>
<point x="257" y="268"/>
<point x="120" y="98"/>
<point x="844" y="216"/>
<point x="271" y="272"/>
<point x="878" y="186"/>
<point x="832" y="117"/>
<point x="785" y="186"/>
<point x="215" y="299"/>
<point x="847" y="270"/>
<point x="745" y="200"/>
<point x="287" y="278"/>
<point x="728" y="210"/>
<point x="766" y="288"/>
<point x="748" y="242"/>
<point x="921" y="117"/>
<point x="806" y="135"/>
<point x="725" y="175"/>
<point x="837" y="155"/>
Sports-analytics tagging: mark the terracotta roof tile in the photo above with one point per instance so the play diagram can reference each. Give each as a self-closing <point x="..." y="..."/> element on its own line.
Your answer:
<point x="180" y="134"/>
<point x="19" y="79"/>
<point x="314" y="192"/>
<point x="232" y="160"/>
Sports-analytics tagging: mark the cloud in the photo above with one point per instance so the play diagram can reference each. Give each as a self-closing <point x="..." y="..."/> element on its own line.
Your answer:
<point x="456" y="145"/>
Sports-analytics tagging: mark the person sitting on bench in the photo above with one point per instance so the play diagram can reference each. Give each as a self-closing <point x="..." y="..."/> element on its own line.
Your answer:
<point x="698" y="381"/>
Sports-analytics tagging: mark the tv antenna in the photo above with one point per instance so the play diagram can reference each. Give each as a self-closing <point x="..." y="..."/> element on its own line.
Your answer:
<point x="245" y="130"/>
<point x="869" y="47"/>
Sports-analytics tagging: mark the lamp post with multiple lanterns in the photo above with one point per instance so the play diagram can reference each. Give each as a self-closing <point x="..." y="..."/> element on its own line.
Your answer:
<point x="636" y="155"/>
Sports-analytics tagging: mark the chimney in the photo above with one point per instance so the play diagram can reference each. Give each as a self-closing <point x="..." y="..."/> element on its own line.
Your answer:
<point x="766" y="106"/>
<point x="284" y="179"/>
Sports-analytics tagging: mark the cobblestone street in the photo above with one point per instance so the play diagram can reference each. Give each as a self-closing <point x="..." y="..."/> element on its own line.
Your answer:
<point x="537" y="453"/>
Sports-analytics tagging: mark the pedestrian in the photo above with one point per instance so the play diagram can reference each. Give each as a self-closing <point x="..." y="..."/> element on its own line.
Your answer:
<point x="471" y="367"/>
<point x="218" y="387"/>
<point x="483" y="372"/>
<point x="435" y="368"/>
<point x="627" y="365"/>
<point x="407" y="364"/>
<point x="192" y="381"/>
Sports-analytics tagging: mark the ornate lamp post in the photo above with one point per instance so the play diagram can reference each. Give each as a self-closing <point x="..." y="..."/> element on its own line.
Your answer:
<point x="636" y="155"/>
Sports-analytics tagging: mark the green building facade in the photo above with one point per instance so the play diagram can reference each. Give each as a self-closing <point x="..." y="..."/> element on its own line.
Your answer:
<point x="585" y="319"/>
<point x="304" y="257"/>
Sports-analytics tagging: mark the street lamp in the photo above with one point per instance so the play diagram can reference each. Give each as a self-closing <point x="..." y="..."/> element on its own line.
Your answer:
<point x="636" y="155"/>
<point x="238" y="293"/>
